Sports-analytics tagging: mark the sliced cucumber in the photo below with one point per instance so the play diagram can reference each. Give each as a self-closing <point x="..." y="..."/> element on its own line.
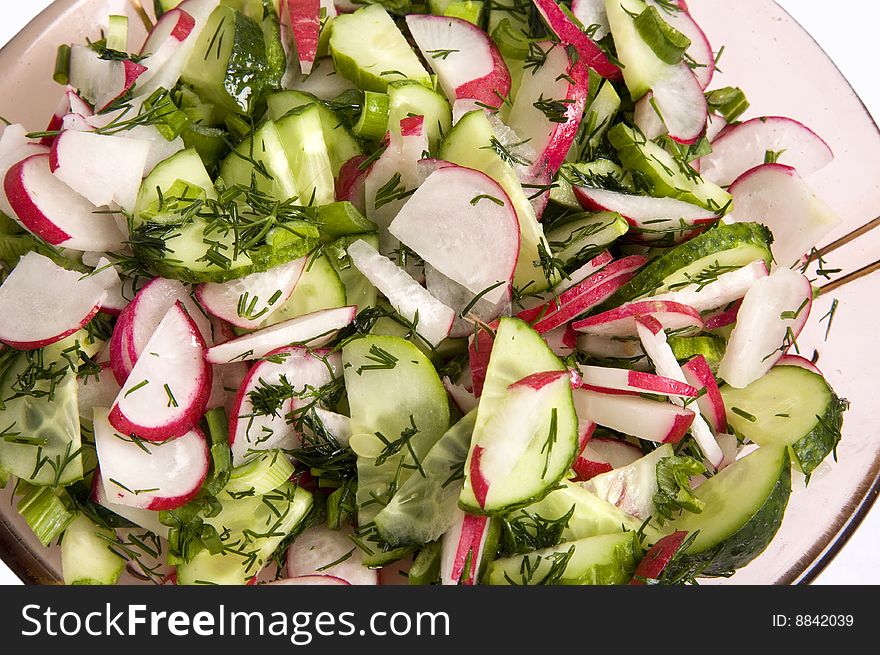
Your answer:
<point x="517" y="352"/>
<point x="266" y="150"/>
<point x="228" y="65"/>
<point x="580" y="239"/>
<point x="414" y="99"/>
<point x="341" y="145"/>
<point x="662" y="174"/>
<point x="719" y="249"/>
<point x="642" y="66"/>
<point x="472" y="143"/>
<point x="368" y="49"/>
<point x="744" y="506"/>
<point x="319" y="287"/>
<point x="789" y="406"/>
<point x="184" y="167"/>
<point x="604" y="560"/>
<point x="393" y="391"/>
<point x="598" y="119"/>
<point x="373" y="123"/>
<point x="424" y="507"/>
<point x="86" y="558"/>
<point x="302" y="137"/>
<point x="359" y="290"/>
<point x="339" y="219"/>
<point x="600" y="172"/>
<point x="253" y="527"/>
<point x="264" y="473"/>
<point x="708" y="345"/>
<point x="41" y="441"/>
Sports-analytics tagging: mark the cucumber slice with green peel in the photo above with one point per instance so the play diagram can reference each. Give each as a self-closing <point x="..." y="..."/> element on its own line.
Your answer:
<point x="264" y="473"/>
<point x="319" y="287"/>
<point x="591" y="516"/>
<point x="393" y="391"/>
<point x="339" y="219"/>
<point x="425" y="569"/>
<point x="41" y="441"/>
<point x="414" y="99"/>
<point x="302" y="137"/>
<point x="182" y="170"/>
<point x="789" y="406"/>
<point x="424" y="507"/>
<point x="276" y="514"/>
<point x="603" y="560"/>
<point x="228" y="65"/>
<point x="86" y="558"/>
<point x="708" y="345"/>
<point x="341" y="146"/>
<point x="598" y="118"/>
<point x="579" y="240"/>
<point x="261" y="161"/>
<point x="276" y="58"/>
<point x="373" y="123"/>
<point x="600" y="172"/>
<point x="368" y="49"/>
<point x="358" y="289"/>
<point x="663" y="175"/>
<point x="744" y="506"/>
<point x="472" y="143"/>
<point x="721" y="249"/>
<point x="546" y="440"/>
<point x="642" y="65"/>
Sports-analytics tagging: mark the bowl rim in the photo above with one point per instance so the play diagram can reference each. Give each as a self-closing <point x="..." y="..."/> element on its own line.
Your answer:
<point x="31" y="570"/>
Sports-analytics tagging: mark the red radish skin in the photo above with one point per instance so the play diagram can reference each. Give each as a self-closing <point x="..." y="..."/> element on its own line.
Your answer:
<point x="603" y="455"/>
<point x="469" y="551"/>
<point x="658" y="557"/>
<point x="634" y="382"/>
<point x="478" y="481"/>
<point x="723" y="317"/>
<point x="350" y="182"/>
<point x="621" y="321"/>
<point x="181" y="26"/>
<point x="305" y="22"/>
<point x="711" y="404"/>
<point x="661" y="422"/>
<point x="800" y="362"/>
<point x="412" y="125"/>
<point x="570" y="34"/>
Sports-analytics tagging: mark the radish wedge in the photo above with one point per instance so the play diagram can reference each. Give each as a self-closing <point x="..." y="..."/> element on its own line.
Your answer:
<point x="621" y="321"/>
<point x="678" y="96"/>
<point x="318" y="547"/>
<point x="407" y="296"/>
<point x="312" y="330"/>
<point x="570" y="34"/>
<point x="464" y="58"/>
<point x="249" y="301"/>
<point x="166" y="392"/>
<point x="96" y="390"/>
<point x="744" y="146"/>
<point x="711" y="404"/>
<point x="549" y="106"/>
<point x="776" y="196"/>
<point x="461" y="222"/>
<point x="640" y="211"/>
<point x="147" y="475"/>
<point x="106" y="275"/>
<point x="56" y="213"/>
<point x="602" y="455"/>
<point x="660" y="422"/>
<point x="101" y="81"/>
<point x="621" y="379"/>
<point x="253" y="430"/>
<point x="350" y="182"/>
<point x="631" y="487"/>
<point x="771" y="317"/>
<point x="305" y="23"/>
<point x="14" y="147"/>
<point x="725" y="289"/>
<point x="41" y="303"/>
<point x="461" y="549"/>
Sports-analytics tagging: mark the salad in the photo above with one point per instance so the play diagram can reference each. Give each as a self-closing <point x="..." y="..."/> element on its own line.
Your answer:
<point x="469" y="292"/>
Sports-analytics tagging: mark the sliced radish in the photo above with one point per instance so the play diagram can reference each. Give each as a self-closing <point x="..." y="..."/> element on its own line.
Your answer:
<point x="592" y="14"/>
<point x="15" y="147"/>
<point x="143" y="518"/>
<point x="148" y="475"/>
<point x="710" y="402"/>
<point x="570" y="34"/>
<point x="313" y="330"/>
<point x="350" y="182"/>
<point x="776" y="196"/>
<point x="679" y="98"/>
<point x="311" y="580"/>
<point x="621" y="321"/>
<point x="407" y="296"/>
<point x="106" y="275"/>
<point x="253" y="429"/>
<point x="458" y="298"/>
<point x="248" y="301"/>
<point x="104" y="169"/>
<point x="549" y="106"/>
<point x="56" y="213"/>
<point x="121" y="361"/>
<point x="562" y="340"/>
<point x="317" y="547"/>
<point x="658" y="558"/>
<point x="800" y="362"/>
<point x="463" y="399"/>
<point x="337" y="425"/>
<point x="461" y="549"/>
<point x="96" y="390"/>
<point x="322" y="82"/>
<point x="305" y="23"/>
<point x="647" y="119"/>
<point x="638" y="417"/>
<point x="101" y="81"/>
<point x="614" y="349"/>
<point x="773" y="313"/>
<point x="41" y="303"/>
<point x="658" y="350"/>
<point x="744" y="146"/>
<point x="579" y="275"/>
<point x="166" y="392"/>
<point x="723" y="317"/>
<point x="621" y="379"/>
<point x="631" y="487"/>
<point x="715" y="127"/>
<point x="461" y="222"/>
<point x="479" y="352"/>
<point x="160" y="147"/>
<point x="643" y="211"/>
<point x="602" y="455"/>
<point x="725" y="289"/>
<point x="464" y="58"/>
<point x="700" y="54"/>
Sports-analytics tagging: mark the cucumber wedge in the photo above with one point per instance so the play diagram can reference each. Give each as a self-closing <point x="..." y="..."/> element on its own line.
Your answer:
<point x="358" y="289"/>
<point x="577" y="241"/>
<point x="744" y="506"/>
<point x="603" y="560"/>
<point x="393" y="391"/>
<point x="319" y="287"/>
<point x="663" y="175"/>
<point x="302" y="137"/>
<point x="791" y="406"/>
<point x="708" y="345"/>
<point x="85" y="555"/>
<point x="368" y="49"/>
<point x="518" y="352"/>
<point x="600" y="172"/>
<point x="264" y="148"/>
<point x="424" y="507"/>
<point x="181" y="170"/>
<point x="720" y="249"/>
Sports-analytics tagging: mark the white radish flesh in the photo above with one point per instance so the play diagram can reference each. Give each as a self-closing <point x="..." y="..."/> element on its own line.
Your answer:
<point x="646" y="419"/>
<point x="320" y="546"/>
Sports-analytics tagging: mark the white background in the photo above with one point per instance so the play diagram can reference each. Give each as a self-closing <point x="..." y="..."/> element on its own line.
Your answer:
<point x="846" y="29"/>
